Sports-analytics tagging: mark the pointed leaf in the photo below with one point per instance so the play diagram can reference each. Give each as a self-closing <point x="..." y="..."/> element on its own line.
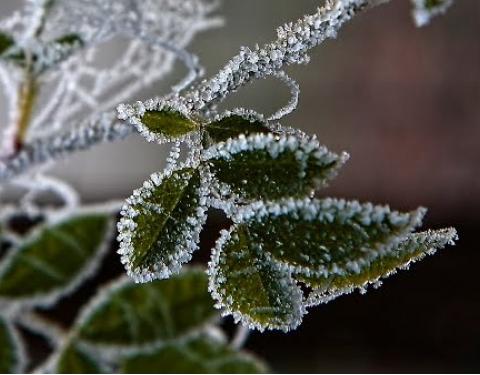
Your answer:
<point x="168" y="123"/>
<point x="54" y="259"/>
<point x="74" y="360"/>
<point x="129" y="314"/>
<point x="327" y="236"/>
<point x="233" y="124"/>
<point x="159" y="121"/>
<point x="161" y="223"/>
<point x="199" y="355"/>
<point x="415" y="247"/>
<point x="11" y="353"/>
<point x="6" y="41"/>
<point x="265" y="166"/>
<point x="252" y="289"/>
<point x="70" y="40"/>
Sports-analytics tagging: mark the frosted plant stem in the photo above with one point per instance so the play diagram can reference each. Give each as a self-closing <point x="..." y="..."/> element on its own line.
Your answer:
<point x="241" y="336"/>
<point x="293" y="102"/>
<point x="291" y="47"/>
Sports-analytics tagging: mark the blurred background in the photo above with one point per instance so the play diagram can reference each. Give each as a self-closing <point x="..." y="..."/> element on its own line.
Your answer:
<point x="405" y="103"/>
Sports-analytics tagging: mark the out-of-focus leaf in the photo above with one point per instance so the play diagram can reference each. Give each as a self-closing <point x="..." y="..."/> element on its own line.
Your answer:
<point x="200" y="355"/>
<point x="73" y="360"/>
<point x="54" y="258"/>
<point x="10" y="352"/>
<point x="139" y="314"/>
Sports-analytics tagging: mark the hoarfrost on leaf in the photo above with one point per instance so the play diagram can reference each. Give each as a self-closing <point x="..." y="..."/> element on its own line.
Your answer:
<point x="412" y="248"/>
<point x="161" y="223"/>
<point x="128" y="315"/>
<point x="54" y="260"/>
<point x="204" y="354"/>
<point x="267" y="166"/>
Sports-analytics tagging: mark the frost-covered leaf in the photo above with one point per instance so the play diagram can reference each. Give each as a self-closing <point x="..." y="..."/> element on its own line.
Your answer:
<point x="59" y="50"/>
<point x="69" y="40"/>
<point x="74" y="360"/>
<point x="415" y="247"/>
<point x="198" y="355"/>
<point x="326" y="236"/>
<point x="11" y="354"/>
<point x="6" y="41"/>
<point x="168" y="123"/>
<point x="131" y="314"/>
<point x="251" y="288"/>
<point x="425" y="10"/>
<point x="54" y="259"/>
<point x="160" y="225"/>
<point x="265" y="166"/>
<point x="233" y="124"/>
<point x="252" y="264"/>
<point x="159" y="121"/>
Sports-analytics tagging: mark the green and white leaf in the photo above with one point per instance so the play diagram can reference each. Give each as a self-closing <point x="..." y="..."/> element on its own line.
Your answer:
<point x="271" y="167"/>
<point x="328" y="236"/>
<point x="160" y="121"/>
<point x="76" y="360"/>
<point x="12" y="354"/>
<point x="59" y="50"/>
<point x="425" y="10"/>
<point x="55" y="259"/>
<point x="252" y="264"/>
<point x="232" y="124"/>
<point x="6" y="42"/>
<point x="204" y="355"/>
<point x="412" y="249"/>
<point x="128" y="315"/>
<point x="161" y="223"/>
<point x="251" y="288"/>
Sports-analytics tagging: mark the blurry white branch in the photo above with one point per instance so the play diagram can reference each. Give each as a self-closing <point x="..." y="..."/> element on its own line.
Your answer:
<point x="294" y="41"/>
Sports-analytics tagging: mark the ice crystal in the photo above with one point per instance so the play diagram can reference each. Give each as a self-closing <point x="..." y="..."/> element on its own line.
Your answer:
<point x="425" y="10"/>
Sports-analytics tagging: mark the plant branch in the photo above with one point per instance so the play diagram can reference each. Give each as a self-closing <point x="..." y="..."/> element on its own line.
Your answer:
<point x="291" y="46"/>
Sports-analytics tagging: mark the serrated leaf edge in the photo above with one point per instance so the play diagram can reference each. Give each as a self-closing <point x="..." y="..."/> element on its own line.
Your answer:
<point x="448" y="236"/>
<point x="312" y="208"/>
<point x="214" y="281"/>
<point x="126" y="228"/>
<point x="88" y="271"/>
<point x="134" y="114"/>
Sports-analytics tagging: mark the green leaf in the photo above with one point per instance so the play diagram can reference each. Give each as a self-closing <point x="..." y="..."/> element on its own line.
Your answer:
<point x="70" y="40"/>
<point x="234" y="124"/>
<point x="269" y="167"/>
<point x="415" y="247"/>
<point x="327" y="236"/>
<point x="431" y="4"/>
<point x="168" y="123"/>
<point x="10" y="351"/>
<point x="138" y="314"/>
<point x="251" y="288"/>
<point x="201" y="355"/>
<point x="74" y="360"/>
<point x="52" y="260"/>
<point x="161" y="223"/>
<point x="6" y="41"/>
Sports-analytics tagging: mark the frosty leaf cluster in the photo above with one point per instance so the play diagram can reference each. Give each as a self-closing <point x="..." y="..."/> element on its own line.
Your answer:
<point x="288" y="248"/>
<point x="264" y="178"/>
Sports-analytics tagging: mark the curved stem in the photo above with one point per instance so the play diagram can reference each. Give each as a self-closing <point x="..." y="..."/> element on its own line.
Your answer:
<point x="240" y="338"/>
